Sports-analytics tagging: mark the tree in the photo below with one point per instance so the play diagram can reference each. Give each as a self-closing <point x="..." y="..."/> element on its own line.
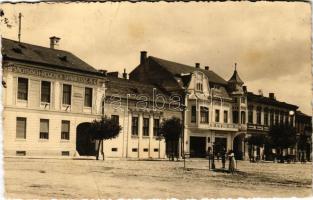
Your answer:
<point x="171" y="131"/>
<point x="257" y="140"/>
<point x="281" y="137"/>
<point x="104" y="129"/>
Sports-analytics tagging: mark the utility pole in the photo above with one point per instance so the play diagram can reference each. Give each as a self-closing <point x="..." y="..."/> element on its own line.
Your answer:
<point x="19" y="26"/>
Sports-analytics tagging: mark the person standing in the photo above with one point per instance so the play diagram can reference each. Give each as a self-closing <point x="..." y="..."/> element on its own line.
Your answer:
<point x="232" y="162"/>
<point x="223" y="157"/>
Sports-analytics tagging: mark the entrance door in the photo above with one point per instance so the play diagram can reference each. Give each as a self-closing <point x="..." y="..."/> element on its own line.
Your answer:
<point x="220" y="144"/>
<point x="197" y="147"/>
<point x="85" y="146"/>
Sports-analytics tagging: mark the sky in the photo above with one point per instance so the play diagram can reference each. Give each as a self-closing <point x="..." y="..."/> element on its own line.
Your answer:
<point x="269" y="41"/>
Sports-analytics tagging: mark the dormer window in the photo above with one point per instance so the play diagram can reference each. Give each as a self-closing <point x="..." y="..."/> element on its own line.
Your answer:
<point x="199" y="87"/>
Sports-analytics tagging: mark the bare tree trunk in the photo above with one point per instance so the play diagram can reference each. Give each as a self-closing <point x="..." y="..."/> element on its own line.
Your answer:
<point x="98" y="150"/>
<point x="102" y="152"/>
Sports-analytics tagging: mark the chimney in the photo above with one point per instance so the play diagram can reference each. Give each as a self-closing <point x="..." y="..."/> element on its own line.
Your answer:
<point x="207" y="68"/>
<point x="54" y="42"/>
<point x="125" y="74"/>
<point x="143" y="57"/>
<point x="271" y="95"/>
<point x="197" y="65"/>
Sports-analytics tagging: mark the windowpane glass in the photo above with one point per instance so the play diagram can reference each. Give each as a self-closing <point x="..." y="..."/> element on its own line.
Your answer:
<point x="88" y="97"/>
<point x="22" y="88"/>
<point x="145" y="126"/>
<point x="65" y="130"/>
<point x="21" y="127"/>
<point x="45" y="91"/>
<point x="67" y="92"/>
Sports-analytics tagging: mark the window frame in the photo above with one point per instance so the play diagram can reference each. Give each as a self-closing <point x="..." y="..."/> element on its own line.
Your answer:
<point x="145" y="126"/>
<point x="25" y="128"/>
<point x="70" y="94"/>
<point x="135" y="126"/>
<point x="156" y="129"/>
<point x="193" y="118"/>
<point x="18" y="87"/>
<point x="65" y="133"/>
<point x="41" y="91"/>
<point x="91" y="93"/>
<point x="217" y="115"/>
<point x="204" y="114"/>
<point x="44" y="135"/>
<point x="225" y="120"/>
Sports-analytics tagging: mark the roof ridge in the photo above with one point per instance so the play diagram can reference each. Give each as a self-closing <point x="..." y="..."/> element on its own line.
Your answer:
<point x="37" y="45"/>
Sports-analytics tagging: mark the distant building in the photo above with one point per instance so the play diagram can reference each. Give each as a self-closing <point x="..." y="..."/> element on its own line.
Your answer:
<point x="219" y="114"/>
<point x="303" y="125"/>
<point x="264" y="112"/>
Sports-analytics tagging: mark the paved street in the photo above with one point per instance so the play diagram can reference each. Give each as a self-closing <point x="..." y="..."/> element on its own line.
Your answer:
<point x="65" y="178"/>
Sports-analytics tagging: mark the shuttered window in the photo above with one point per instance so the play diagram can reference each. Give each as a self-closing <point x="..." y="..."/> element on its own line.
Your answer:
<point x="65" y="130"/>
<point x="67" y="94"/>
<point x="21" y="128"/>
<point x="44" y="129"/>
<point x="22" y="92"/>
<point x="45" y="91"/>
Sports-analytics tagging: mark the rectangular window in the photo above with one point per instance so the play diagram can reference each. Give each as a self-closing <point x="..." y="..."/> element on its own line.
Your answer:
<point x="21" y="128"/>
<point x="134" y="125"/>
<point x="276" y="117"/>
<point x="44" y="129"/>
<point x="235" y="117"/>
<point x="156" y="150"/>
<point x="134" y="150"/>
<point x="243" y="100"/>
<point x="271" y="118"/>
<point x="266" y="117"/>
<point x="22" y="89"/>
<point x="225" y="116"/>
<point x="65" y="153"/>
<point x="114" y="149"/>
<point x="156" y="127"/>
<point x="204" y="114"/>
<point x="217" y="115"/>
<point x="145" y="128"/>
<point x="67" y="94"/>
<point x="65" y="130"/>
<point x="193" y="114"/>
<point x="250" y="116"/>
<point x="115" y="118"/>
<point x="21" y="153"/>
<point x="88" y="97"/>
<point x="281" y="119"/>
<point x="45" y="91"/>
<point x="145" y="150"/>
<point x="258" y="115"/>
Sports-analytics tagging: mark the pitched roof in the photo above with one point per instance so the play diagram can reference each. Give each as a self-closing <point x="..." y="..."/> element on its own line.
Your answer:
<point x="30" y="53"/>
<point x="124" y="87"/>
<point x="178" y="68"/>
<point x="235" y="78"/>
<point x="269" y="101"/>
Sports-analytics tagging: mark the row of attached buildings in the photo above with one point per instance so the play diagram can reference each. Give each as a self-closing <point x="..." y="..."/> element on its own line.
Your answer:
<point x="50" y="96"/>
